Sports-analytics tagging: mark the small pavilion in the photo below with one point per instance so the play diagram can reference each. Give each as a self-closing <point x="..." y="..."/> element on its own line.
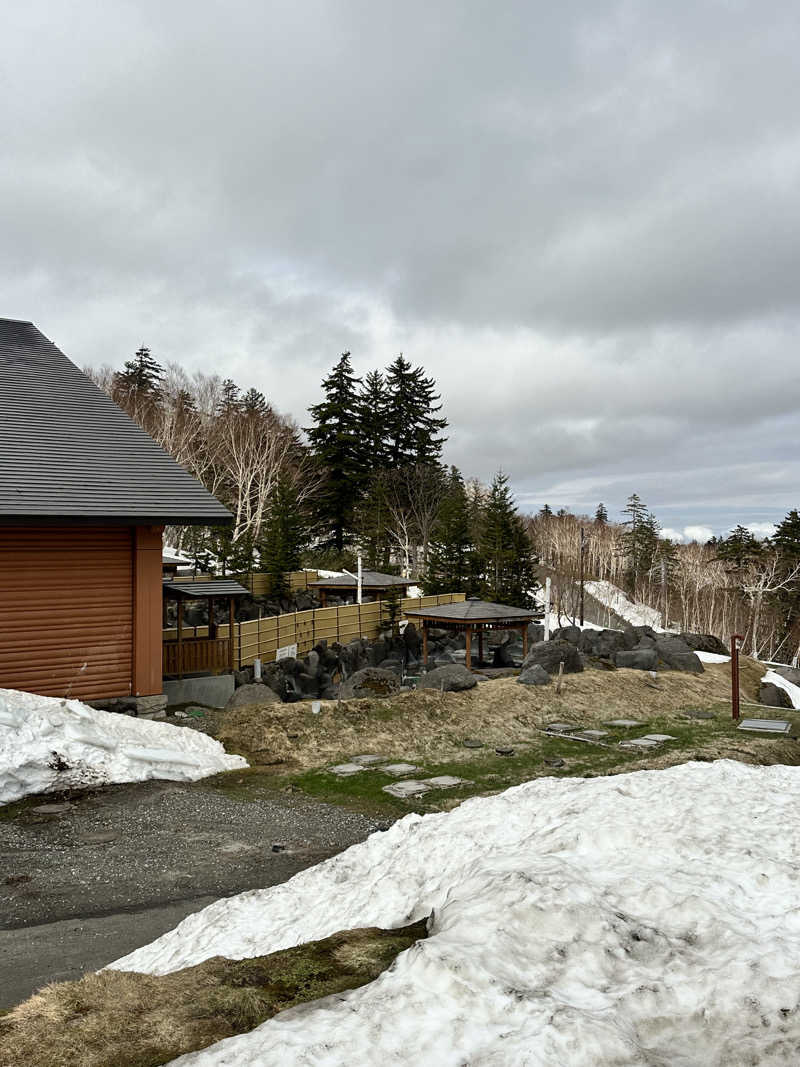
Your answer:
<point x="473" y="616"/>
<point x="210" y="654"/>
<point x="373" y="584"/>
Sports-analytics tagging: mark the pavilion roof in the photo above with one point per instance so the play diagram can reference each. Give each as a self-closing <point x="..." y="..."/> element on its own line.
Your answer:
<point x="222" y="587"/>
<point x="473" y="610"/>
<point x="369" y="580"/>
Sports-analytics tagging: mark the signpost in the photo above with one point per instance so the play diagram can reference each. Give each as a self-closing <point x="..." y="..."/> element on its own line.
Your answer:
<point x="735" y="676"/>
<point x="287" y="652"/>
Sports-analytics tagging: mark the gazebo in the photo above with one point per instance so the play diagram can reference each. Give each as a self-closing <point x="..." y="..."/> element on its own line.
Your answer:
<point x="473" y="616"/>
<point x="202" y="654"/>
<point x="372" y="582"/>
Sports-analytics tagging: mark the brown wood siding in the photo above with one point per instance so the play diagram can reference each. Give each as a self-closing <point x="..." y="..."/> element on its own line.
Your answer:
<point x="66" y="610"/>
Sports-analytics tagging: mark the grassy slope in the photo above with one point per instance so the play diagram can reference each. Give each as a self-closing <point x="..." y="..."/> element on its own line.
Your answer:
<point x="123" y="1019"/>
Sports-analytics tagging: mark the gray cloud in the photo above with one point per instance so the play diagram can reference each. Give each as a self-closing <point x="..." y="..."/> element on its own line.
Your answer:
<point x="582" y="218"/>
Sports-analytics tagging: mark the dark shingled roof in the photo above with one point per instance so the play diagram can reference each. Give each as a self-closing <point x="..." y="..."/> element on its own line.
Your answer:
<point x="369" y="580"/>
<point x="202" y="590"/>
<point x="70" y="454"/>
<point x="477" y="610"/>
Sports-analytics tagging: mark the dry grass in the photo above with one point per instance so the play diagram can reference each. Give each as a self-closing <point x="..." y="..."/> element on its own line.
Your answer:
<point x="427" y="726"/>
<point x="123" y="1019"/>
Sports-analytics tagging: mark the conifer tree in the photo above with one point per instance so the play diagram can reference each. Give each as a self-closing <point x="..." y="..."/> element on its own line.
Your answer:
<point x="254" y="402"/>
<point x="373" y="412"/>
<point x="412" y="424"/>
<point x="231" y="399"/>
<point x="639" y="542"/>
<point x="545" y="511"/>
<point x="336" y="443"/>
<point x="509" y="562"/>
<point x="453" y="565"/>
<point x="285" y="537"/>
<point x="786" y="542"/>
<point x="601" y="515"/>
<point x="137" y="388"/>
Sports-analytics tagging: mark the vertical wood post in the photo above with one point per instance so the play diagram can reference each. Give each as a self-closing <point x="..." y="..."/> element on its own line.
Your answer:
<point x="735" y="676"/>
<point x="147" y="653"/>
<point x="524" y="640"/>
<point x="230" y="634"/>
<point x="180" y="637"/>
<point x="480" y="645"/>
<point x="425" y="642"/>
<point x="469" y="648"/>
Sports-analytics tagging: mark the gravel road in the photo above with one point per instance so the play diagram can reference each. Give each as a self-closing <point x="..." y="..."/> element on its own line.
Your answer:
<point x="82" y="887"/>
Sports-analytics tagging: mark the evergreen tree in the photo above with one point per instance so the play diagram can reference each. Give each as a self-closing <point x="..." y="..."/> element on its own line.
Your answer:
<point x="510" y="565"/>
<point x="545" y="511"/>
<point x="336" y="443"/>
<point x="412" y="425"/>
<point x="285" y="536"/>
<point x="254" y="402"/>
<point x="372" y="523"/>
<point x="639" y="542"/>
<point x="373" y="404"/>
<point x="738" y="549"/>
<point x="231" y="399"/>
<point x="138" y="385"/>
<point x="786" y="542"/>
<point x="601" y="515"/>
<point x="453" y="565"/>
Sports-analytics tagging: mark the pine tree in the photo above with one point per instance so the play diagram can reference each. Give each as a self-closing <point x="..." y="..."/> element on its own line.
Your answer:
<point x="254" y="402"/>
<point x="285" y="536"/>
<point x="373" y="403"/>
<point x="452" y="561"/>
<point x="545" y="511"/>
<point x="738" y="549"/>
<point x="231" y="400"/>
<point x="412" y="425"/>
<point x="786" y="542"/>
<point x="138" y="386"/>
<point x="639" y="542"/>
<point x="336" y="443"/>
<point x="510" y="565"/>
<point x="601" y="515"/>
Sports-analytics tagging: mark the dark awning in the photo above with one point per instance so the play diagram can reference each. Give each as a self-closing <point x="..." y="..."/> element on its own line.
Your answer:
<point x="222" y="587"/>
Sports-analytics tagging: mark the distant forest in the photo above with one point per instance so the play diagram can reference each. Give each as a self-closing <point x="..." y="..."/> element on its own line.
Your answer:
<point x="366" y="476"/>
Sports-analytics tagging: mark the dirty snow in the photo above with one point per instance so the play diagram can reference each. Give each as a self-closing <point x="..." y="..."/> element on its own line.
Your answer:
<point x="39" y="735"/>
<point x="641" y="918"/>
<point x="712" y="657"/>
<point x="788" y="687"/>
<point x="615" y="600"/>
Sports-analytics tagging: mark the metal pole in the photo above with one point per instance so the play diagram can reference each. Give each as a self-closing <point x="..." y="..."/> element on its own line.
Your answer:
<point x="547" y="609"/>
<point x="359" y="579"/>
<point x="735" y="676"/>
<point x="583" y="550"/>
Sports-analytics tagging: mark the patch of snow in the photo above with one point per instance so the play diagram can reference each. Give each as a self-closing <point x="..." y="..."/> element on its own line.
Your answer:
<point x="615" y="600"/>
<point x="330" y="574"/>
<point x="414" y="591"/>
<point x="787" y="686"/>
<point x="575" y="922"/>
<point x="712" y="657"/>
<point x="39" y="735"/>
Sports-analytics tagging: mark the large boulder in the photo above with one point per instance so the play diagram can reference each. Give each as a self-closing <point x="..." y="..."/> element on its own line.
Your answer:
<point x="643" y="631"/>
<point x="502" y="656"/>
<point x="378" y="651"/>
<point x="705" y="643"/>
<point x="603" y="643"/>
<point x="534" y="675"/>
<point x="638" y="659"/>
<point x="676" y="655"/>
<point x="370" y="682"/>
<point x="773" y="696"/>
<point x="452" y="678"/>
<point x="255" y="693"/>
<point x="412" y="640"/>
<point x="550" y="653"/>
<point x="535" y="632"/>
<point x="568" y="633"/>
<point x="791" y="674"/>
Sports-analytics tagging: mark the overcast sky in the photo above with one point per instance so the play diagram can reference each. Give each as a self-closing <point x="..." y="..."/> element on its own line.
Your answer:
<point x="582" y="218"/>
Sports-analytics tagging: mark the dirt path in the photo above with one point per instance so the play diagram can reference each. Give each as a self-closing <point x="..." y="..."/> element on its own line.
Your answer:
<point x="81" y="888"/>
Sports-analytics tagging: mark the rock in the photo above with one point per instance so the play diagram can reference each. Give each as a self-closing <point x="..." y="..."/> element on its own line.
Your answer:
<point x="599" y="663"/>
<point x="412" y="640"/>
<point x="313" y="661"/>
<point x="377" y="653"/>
<point x="773" y="696"/>
<point x="791" y="674"/>
<point x="51" y="809"/>
<point x="535" y="633"/>
<point x="398" y="770"/>
<point x="472" y="742"/>
<point x="534" y="675"/>
<point x="502" y="656"/>
<point x="705" y="643"/>
<point x="568" y="633"/>
<point x="676" y="654"/>
<point x="692" y="713"/>
<point x="606" y="642"/>
<point x="370" y="682"/>
<point x="642" y="659"/>
<point x="309" y="685"/>
<point x="445" y="781"/>
<point x="554" y="761"/>
<point x="452" y="678"/>
<point x="406" y="789"/>
<point x="243" y="677"/>
<point x="644" y="631"/>
<point x="504" y="750"/>
<point x="550" y="653"/>
<point x="256" y="693"/>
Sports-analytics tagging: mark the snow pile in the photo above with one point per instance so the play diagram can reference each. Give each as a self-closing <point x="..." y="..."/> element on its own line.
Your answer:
<point x="615" y="600"/>
<point x="783" y="683"/>
<point x="712" y="657"/>
<point x="47" y="743"/>
<point x="642" y="918"/>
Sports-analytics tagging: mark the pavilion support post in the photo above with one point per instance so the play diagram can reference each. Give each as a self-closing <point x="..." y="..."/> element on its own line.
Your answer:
<point x="180" y="637"/>
<point x="469" y="648"/>
<point x="212" y="626"/>
<point x="480" y="646"/>
<point x="524" y="640"/>
<point x="323" y="598"/>
<point x="230" y="634"/>
<point x="425" y="642"/>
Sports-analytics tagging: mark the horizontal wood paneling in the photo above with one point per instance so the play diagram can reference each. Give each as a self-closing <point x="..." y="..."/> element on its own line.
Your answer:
<point x="66" y="610"/>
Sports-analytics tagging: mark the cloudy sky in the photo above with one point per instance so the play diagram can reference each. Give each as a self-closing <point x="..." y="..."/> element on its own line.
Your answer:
<point x="582" y="218"/>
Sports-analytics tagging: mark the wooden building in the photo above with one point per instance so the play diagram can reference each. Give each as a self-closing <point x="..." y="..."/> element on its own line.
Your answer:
<point x="473" y="618"/>
<point x="374" y="586"/>
<point x="84" y="497"/>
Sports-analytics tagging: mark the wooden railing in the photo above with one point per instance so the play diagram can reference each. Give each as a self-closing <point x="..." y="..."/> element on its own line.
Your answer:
<point x="197" y="655"/>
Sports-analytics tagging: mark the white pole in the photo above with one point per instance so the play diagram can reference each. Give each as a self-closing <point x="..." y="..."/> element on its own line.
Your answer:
<point x="547" y="609"/>
<point x="359" y="579"/>
<point x="256" y="670"/>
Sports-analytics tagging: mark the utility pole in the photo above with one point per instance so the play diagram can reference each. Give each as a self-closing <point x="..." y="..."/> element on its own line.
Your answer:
<point x="547" y="609"/>
<point x="583" y="568"/>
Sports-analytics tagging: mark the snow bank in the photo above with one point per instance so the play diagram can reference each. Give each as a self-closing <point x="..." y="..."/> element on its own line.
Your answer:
<point x="615" y="600"/>
<point x="39" y="735"/>
<point x="642" y="918"/>
<point x="712" y="657"/>
<point x="783" y="683"/>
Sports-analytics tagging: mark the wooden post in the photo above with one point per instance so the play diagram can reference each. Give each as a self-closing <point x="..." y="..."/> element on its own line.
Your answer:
<point x="480" y="645"/>
<point x="525" y="640"/>
<point x="180" y="637"/>
<point x="469" y="648"/>
<point x="323" y="598"/>
<point x="212" y="629"/>
<point x="230" y="634"/>
<point x="425" y="642"/>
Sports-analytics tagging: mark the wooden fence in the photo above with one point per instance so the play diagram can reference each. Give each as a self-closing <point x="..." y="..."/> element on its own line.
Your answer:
<point x="261" y="638"/>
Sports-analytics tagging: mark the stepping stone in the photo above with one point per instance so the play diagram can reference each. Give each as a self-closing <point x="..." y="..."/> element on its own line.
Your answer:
<point x="556" y="762"/>
<point x="102" y="837"/>
<point x="760" y="726"/>
<point x="591" y="735"/>
<point x="505" y="750"/>
<point x="233" y="847"/>
<point x="445" y="781"/>
<point x="623" y="724"/>
<point x="638" y="742"/>
<point x="409" y="788"/>
<point x="367" y="761"/>
<point x="659" y="737"/>
<point x="691" y="714"/>
<point x="397" y="770"/>
<point x="473" y="742"/>
<point x="560" y="727"/>
<point x="51" y="809"/>
<point x="344" y="770"/>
